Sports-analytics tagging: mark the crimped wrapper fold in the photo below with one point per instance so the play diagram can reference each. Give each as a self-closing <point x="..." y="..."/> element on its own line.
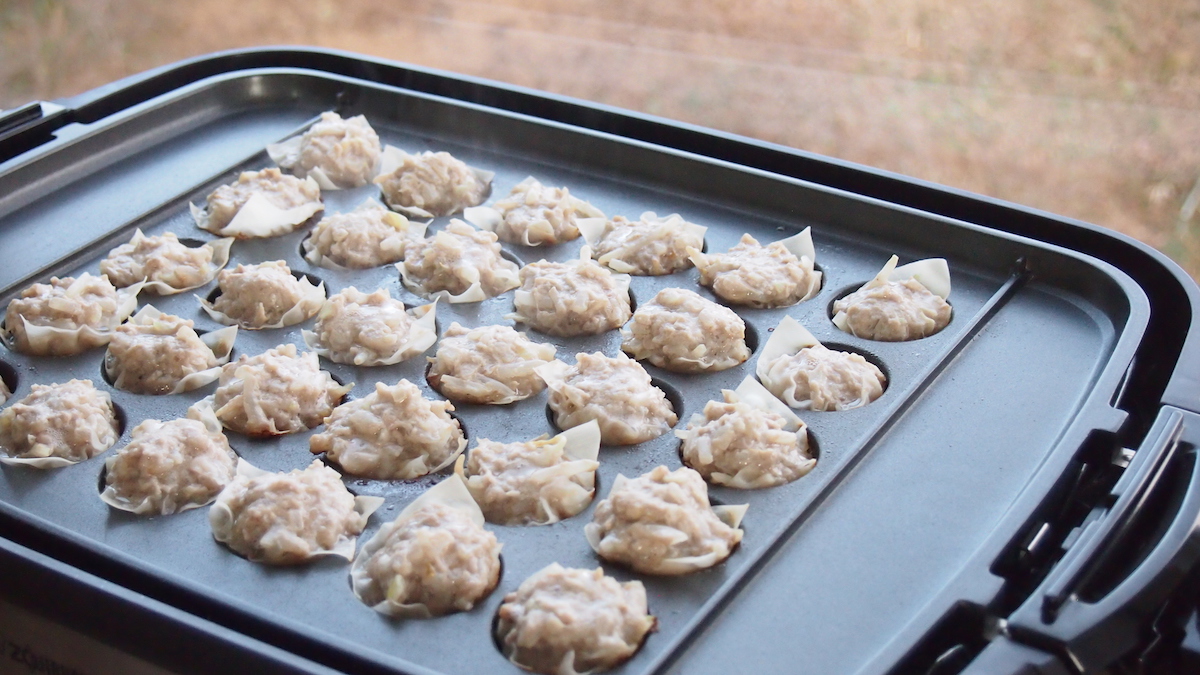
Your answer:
<point x="594" y="230"/>
<point x="538" y="233"/>
<point x="788" y="338"/>
<point x="310" y="302"/>
<point x="55" y="341"/>
<point x="219" y="341"/>
<point x="220" y="258"/>
<point x="932" y="273"/>
<point x="259" y="217"/>
<point x="451" y="492"/>
<point x="392" y="158"/>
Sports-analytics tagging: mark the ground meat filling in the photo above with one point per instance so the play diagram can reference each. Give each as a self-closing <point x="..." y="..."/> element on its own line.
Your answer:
<point x="740" y="445"/>
<point x="345" y="151"/>
<point x="170" y="466"/>
<point x="58" y="424"/>
<point x="67" y="316"/>
<point x="893" y="311"/>
<point x="536" y="215"/>
<point x="648" y="246"/>
<point x="283" y="192"/>
<point x="265" y="295"/>
<point x="819" y="378"/>
<point x="168" y="265"/>
<point x="287" y="518"/>
<point x="563" y="620"/>
<point x="753" y="275"/>
<point x="661" y="523"/>
<point x="460" y="262"/>
<point x="430" y="562"/>
<point x="153" y="353"/>
<point x="533" y="483"/>
<point x="571" y="299"/>
<point x="616" y="392"/>
<point x="433" y="183"/>
<point x="394" y="433"/>
<point x="370" y="330"/>
<point x="276" y="392"/>
<point x="368" y="236"/>
<point x="680" y="331"/>
<point x="492" y="365"/>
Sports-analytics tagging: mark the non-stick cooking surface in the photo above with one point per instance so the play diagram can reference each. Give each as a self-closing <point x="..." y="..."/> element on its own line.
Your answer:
<point x="969" y="414"/>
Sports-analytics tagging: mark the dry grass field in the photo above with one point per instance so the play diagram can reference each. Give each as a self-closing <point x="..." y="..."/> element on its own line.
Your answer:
<point x="1088" y="108"/>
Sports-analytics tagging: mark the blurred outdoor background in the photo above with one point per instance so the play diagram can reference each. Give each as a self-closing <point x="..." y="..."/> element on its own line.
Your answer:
<point x="1087" y="108"/>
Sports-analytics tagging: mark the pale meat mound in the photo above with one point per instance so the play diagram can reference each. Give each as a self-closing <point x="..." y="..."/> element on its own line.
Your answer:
<point x="535" y="215"/>
<point x="170" y="467"/>
<point x="159" y="258"/>
<point x="392" y="434"/>
<point x="744" y="446"/>
<point x="617" y="393"/>
<point x="529" y="483"/>
<point x="488" y="365"/>
<point x="283" y="191"/>
<point x="680" y="331"/>
<point x="819" y="378"/>
<point x="437" y="557"/>
<point x="759" y="276"/>
<point x="661" y="523"/>
<point x="893" y="311"/>
<point x="368" y="329"/>
<point x="368" y="236"/>
<point x="345" y="150"/>
<point x="456" y="259"/>
<point x="434" y="182"/>
<point x="150" y="355"/>
<point x="276" y="392"/>
<point x="649" y="246"/>
<point x="287" y="518"/>
<point x="89" y="308"/>
<point x="571" y="299"/>
<point x="561" y="621"/>
<point x="69" y="422"/>
<point x="262" y="295"/>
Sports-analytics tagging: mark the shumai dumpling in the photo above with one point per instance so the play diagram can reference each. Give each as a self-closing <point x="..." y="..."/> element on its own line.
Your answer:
<point x="537" y="482"/>
<point x="562" y="621"/>
<point x="67" y="316"/>
<point x="779" y="274"/>
<point x="648" y="246"/>
<point x="394" y="433"/>
<point x="277" y="392"/>
<point x="458" y="264"/>
<point x="570" y="299"/>
<point x="264" y="296"/>
<point x="289" y="518"/>
<point x="900" y="303"/>
<point x="259" y="204"/>
<point x="369" y="236"/>
<point x="167" y="265"/>
<point x="615" y="392"/>
<point x="534" y="215"/>
<point x="682" y="332"/>
<point x="57" y="425"/>
<point x="335" y="152"/>
<point x="430" y="184"/>
<point x="435" y="558"/>
<point x="371" y="330"/>
<point x="807" y="375"/>
<point x="156" y="353"/>
<point x="488" y="365"/>
<point x="748" y="440"/>
<point x="662" y="523"/>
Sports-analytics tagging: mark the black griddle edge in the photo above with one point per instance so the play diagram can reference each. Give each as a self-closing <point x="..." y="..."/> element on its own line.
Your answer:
<point x="1085" y="577"/>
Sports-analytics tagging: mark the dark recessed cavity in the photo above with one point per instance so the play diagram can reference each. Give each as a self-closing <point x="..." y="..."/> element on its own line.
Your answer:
<point x="824" y="277"/>
<point x="104" y="370"/>
<point x="632" y="301"/>
<point x="314" y="280"/>
<point x="704" y="246"/>
<point x="511" y="257"/>
<point x="462" y="424"/>
<point x="192" y="243"/>
<point x="751" y="337"/>
<point x="673" y="396"/>
<point x="9" y="375"/>
<point x="103" y="477"/>
<point x="122" y="419"/>
<point x="814" y="449"/>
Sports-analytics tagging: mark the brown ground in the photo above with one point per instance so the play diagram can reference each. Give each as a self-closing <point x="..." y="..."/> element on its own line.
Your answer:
<point x="1089" y="108"/>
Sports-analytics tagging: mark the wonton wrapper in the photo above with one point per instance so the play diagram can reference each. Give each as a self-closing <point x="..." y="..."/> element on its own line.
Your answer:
<point x="219" y="341"/>
<point x="259" y="218"/>
<point x="220" y="258"/>
<point x="932" y="273"/>
<point x="310" y="302"/>
<point x="473" y="293"/>
<point x="540" y="231"/>
<point x="596" y="230"/>
<point x="97" y="443"/>
<point x="421" y="336"/>
<point x="54" y="341"/>
<point x="411" y="229"/>
<point x="221" y="518"/>
<point x="393" y="157"/>
<point x="451" y="492"/>
<point x="731" y="516"/>
<point x="201" y="412"/>
<point x="580" y="449"/>
<point x="754" y="285"/>
<point x="790" y="338"/>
